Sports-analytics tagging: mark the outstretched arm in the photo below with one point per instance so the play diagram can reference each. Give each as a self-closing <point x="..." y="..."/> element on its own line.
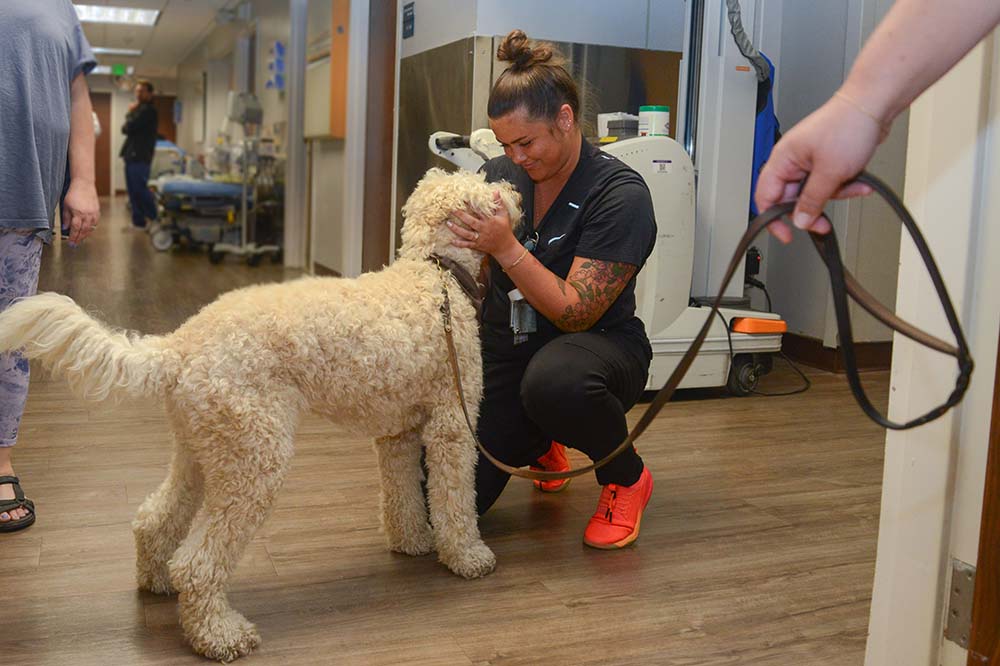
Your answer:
<point x="916" y="43"/>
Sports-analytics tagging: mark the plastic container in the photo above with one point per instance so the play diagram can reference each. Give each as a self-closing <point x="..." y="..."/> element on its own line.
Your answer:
<point x="604" y="118"/>
<point x="623" y="128"/>
<point x="654" y="121"/>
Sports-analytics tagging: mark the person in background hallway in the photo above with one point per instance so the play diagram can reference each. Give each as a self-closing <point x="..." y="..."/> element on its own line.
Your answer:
<point x="140" y="144"/>
<point x="46" y="120"/>
<point x="916" y="43"/>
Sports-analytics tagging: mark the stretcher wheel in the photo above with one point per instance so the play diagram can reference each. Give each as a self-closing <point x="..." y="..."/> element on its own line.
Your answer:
<point x="277" y="257"/>
<point x="162" y="239"/>
<point x="215" y="257"/>
<point x="743" y="375"/>
<point x="254" y="259"/>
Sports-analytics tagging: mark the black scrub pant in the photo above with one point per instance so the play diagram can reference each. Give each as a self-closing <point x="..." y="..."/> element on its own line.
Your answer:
<point x="575" y="390"/>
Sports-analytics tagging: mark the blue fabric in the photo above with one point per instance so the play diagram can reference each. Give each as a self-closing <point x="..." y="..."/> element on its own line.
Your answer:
<point x="42" y="49"/>
<point x="163" y="143"/>
<point x="203" y="188"/>
<point x="201" y="195"/>
<point x="137" y="182"/>
<point x="20" y="258"/>
<point x="765" y="130"/>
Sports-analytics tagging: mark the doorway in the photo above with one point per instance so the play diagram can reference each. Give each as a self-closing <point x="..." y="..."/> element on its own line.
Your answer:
<point x="166" y="128"/>
<point x="102" y="158"/>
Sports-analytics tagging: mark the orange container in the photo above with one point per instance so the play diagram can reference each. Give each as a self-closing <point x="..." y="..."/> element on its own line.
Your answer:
<point x="755" y="325"/>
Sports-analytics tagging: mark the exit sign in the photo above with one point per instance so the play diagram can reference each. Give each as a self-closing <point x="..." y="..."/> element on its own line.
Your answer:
<point x="118" y="70"/>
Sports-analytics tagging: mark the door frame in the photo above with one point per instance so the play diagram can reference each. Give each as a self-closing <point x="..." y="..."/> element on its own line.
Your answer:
<point x="103" y="160"/>
<point x="984" y="639"/>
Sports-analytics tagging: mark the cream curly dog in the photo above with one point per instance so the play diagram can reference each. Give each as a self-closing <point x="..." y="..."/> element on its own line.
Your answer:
<point x="238" y="375"/>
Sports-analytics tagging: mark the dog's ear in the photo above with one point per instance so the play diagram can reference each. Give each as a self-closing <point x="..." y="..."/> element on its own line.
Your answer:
<point x="422" y="200"/>
<point x="432" y="202"/>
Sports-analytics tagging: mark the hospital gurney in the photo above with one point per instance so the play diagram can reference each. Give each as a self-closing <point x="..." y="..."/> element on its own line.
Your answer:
<point x="199" y="211"/>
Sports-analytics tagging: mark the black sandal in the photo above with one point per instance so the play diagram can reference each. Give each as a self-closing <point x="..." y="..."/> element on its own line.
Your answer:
<point x="19" y="502"/>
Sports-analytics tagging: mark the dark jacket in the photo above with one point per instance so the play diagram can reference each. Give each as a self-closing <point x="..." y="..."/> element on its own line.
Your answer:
<point x="140" y="128"/>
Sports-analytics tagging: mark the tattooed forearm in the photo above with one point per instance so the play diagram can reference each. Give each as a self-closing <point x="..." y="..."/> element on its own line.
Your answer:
<point x="598" y="284"/>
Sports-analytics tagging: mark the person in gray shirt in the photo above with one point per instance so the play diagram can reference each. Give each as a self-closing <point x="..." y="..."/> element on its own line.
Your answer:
<point x="45" y="124"/>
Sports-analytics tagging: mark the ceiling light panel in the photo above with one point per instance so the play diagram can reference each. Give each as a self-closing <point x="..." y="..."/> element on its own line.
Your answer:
<point x="122" y="15"/>
<point x="104" y="50"/>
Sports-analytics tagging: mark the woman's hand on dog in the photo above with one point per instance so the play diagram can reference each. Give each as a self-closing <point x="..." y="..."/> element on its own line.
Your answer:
<point x="490" y="234"/>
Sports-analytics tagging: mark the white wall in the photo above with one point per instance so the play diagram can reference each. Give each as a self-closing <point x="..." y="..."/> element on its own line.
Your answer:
<point x="810" y="65"/>
<point x="640" y="24"/>
<point x="326" y="199"/>
<point x="204" y="102"/>
<point x="933" y="477"/>
<point x="272" y="24"/>
<point x="208" y="56"/>
<point x="326" y="168"/>
<point x="120" y="101"/>
<point x="810" y="68"/>
<point x="435" y="23"/>
<point x="620" y="23"/>
<point x="189" y="93"/>
<point x="215" y="55"/>
<point x="337" y="174"/>
<point x="219" y="77"/>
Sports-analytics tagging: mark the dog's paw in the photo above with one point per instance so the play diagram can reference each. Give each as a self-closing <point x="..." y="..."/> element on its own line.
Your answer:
<point x="420" y="543"/>
<point x="225" y="638"/>
<point x="157" y="583"/>
<point x="473" y="562"/>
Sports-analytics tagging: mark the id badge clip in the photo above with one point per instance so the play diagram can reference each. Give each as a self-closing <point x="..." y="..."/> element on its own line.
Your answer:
<point x="523" y="319"/>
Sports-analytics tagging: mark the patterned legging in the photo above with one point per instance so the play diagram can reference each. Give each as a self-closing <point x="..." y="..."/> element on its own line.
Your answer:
<point x="20" y="258"/>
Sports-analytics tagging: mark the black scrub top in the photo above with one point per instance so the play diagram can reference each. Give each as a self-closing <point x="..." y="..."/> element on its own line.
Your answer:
<point x="604" y="212"/>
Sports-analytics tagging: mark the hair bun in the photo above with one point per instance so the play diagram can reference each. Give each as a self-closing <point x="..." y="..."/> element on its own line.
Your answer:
<point x="515" y="49"/>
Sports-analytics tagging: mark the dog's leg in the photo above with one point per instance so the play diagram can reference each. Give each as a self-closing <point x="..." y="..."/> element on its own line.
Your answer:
<point x="163" y="521"/>
<point x="242" y="478"/>
<point x="404" y="509"/>
<point x="451" y="463"/>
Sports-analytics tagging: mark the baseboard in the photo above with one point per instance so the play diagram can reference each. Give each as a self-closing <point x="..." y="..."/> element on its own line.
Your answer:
<point x="323" y="271"/>
<point x="810" y="351"/>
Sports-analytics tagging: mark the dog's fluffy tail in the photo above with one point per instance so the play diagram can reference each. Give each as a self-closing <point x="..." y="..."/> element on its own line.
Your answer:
<point x="97" y="362"/>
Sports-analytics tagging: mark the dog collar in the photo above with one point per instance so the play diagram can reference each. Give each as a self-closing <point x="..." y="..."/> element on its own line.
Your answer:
<point x="469" y="285"/>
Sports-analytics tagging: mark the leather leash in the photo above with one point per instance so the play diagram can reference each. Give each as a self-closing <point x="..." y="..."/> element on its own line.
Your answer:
<point x="843" y="285"/>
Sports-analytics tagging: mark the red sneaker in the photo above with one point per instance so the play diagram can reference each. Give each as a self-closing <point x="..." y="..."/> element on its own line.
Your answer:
<point x="615" y="524"/>
<point x="553" y="461"/>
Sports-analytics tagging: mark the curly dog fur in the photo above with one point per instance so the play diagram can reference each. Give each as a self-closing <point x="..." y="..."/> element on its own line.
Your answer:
<point x="237" y="376"/>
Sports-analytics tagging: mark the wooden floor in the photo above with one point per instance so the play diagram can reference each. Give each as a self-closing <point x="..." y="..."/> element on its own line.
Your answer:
<point x="758" y="545"/>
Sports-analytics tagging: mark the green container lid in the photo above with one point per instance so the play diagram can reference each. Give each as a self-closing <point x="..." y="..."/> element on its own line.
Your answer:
<point x="654" y="108"/>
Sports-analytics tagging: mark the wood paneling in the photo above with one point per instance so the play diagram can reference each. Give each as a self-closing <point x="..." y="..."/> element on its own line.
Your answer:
<point x="102" y="149"/>
<point x="339" y="42"/>
<point x="377" y="230"/>
<point x="869" y="355"/>
<point x="984" y="643"/>
<point x="165" y="117"/>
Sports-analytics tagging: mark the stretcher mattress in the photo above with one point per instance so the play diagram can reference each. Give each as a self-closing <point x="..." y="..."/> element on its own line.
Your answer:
<point x="201" y="194"/>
